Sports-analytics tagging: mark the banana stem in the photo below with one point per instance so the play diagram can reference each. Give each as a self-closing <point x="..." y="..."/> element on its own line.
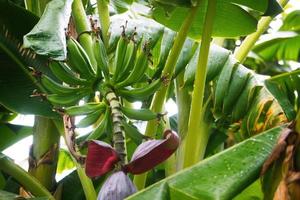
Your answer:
<point x="118" y="132"/>
<point x="197" y="135"/>
<point x="183" y="101"/>
<point x="26" y="180"/>
<point x="104" y="19"/>
<point x="83" y="29"/>
<point x="44" y="151"/>
<point x="241" y="52"/>
<point x="159" y="97"/>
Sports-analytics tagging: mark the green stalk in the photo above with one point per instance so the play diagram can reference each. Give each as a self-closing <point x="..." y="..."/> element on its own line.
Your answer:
<point x="29" y="182"/>
<point x="104" y="19"/>
<point x="83" y="29"/>
<point x="197" y="135"/>
<point x="159" y="97"/>
<point x="183" y="101"/>
<point x="44" y="151"/>
<point x="241" y="53"/>
<point x="87" y="184"/>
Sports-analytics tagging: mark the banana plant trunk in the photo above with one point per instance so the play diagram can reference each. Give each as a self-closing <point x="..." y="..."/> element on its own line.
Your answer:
<point x="44" y="152"/>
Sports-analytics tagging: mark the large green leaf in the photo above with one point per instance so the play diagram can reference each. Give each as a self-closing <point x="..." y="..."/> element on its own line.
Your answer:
<point x="48" y="36"/>
<point x="221" y="176"/>
<point x="284" y="44"/>
<point x="291" y="22"/>
<point x="238" y="95"/>
<point x="231" y="20"/>
<point x="17" y="82"/>
<point x="253" y="192"/>
<point x="10" y="134"/>
<point x="285" y="88"/>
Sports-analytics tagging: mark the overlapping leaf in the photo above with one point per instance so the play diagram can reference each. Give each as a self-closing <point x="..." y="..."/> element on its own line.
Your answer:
<point x="237" y="94"/>
<point x="221" y="176"/>
<point x="232" y="19"/>
<point x="284" y="44"/>
<point x="10" y="134"/>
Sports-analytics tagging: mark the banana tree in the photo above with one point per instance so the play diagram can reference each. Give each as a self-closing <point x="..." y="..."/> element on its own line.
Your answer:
<point x="234" y="126"/>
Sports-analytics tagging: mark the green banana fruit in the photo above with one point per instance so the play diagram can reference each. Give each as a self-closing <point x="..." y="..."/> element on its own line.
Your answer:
<point x="101" y="57"/>
<point x="140" y="114"/>
<point x="57" y="88"/>
<point x="119" y="57"/>
<point x="90" y="119"/>
<point x="65" y="74"/>
<point x="137" y="72"/>
<point x="86" y="108"/>
<point x="67" y="99"/>
<point x="79" y="60"/>
<point x="133" y="133"/>
<point x="140" y="94"/>
<point x="128" y="61"/>
<point x="100" y="129"/>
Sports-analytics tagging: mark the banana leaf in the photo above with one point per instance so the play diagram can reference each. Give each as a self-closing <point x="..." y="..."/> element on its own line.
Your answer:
<point x="231" y="20"/>
<point x="10" y="134"/>
<point x="222" y="176"/>
<point x="17" y="81"/>
<point x="284" y="44"/>
<point x="48" y="35"/>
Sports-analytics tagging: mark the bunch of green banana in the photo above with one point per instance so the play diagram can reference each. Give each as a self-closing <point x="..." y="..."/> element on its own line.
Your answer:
<point x="62" y="95"/>
<point x="128" y="61"/>
<point x="79" y="61"/>
<point x="139" y="68"/>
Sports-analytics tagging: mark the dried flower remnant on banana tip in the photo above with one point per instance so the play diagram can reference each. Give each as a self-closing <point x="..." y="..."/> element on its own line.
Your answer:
<point x="102" y="158"/>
